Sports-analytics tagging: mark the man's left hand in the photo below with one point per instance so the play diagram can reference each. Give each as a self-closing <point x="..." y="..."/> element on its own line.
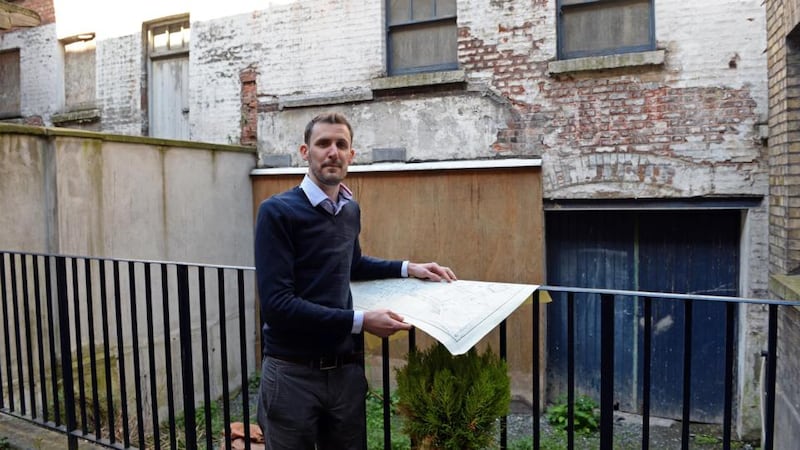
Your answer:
<point x="431" y="271"/>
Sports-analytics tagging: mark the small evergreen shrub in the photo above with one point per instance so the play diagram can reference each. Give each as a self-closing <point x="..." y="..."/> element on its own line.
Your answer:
<point x="452" y="402"/>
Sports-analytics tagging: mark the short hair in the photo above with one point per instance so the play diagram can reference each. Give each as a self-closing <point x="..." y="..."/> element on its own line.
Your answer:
<point x="328" y="117"/>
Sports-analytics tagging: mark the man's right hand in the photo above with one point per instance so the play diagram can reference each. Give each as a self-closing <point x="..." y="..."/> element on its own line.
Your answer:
<point x="384" y="323"/>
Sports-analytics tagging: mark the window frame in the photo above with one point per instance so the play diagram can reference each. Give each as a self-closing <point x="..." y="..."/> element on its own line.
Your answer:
<point x="577" y="4"/>
<point x="411" y="24"/>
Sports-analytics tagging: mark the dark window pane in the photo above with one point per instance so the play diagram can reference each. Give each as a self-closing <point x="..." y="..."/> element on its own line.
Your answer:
<point x="603" y="27"/>
<point x="399" y="11"/>
<point x="423" y="9"/>
<point x="9" y="84"/>
<point x="425" y="45"/>
<point x="445" y="8"/>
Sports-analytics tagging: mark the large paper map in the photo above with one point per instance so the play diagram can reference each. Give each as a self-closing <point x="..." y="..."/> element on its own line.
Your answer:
<point x="456" y="314"/>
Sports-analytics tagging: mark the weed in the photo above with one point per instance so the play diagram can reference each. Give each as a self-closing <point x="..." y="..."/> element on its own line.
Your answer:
<point x="586" y="417"/>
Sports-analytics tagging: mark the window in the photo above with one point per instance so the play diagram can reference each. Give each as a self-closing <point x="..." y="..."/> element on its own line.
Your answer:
<point x="604" y="27"/>
<point x="79" y="72"/>
<point x="422" y="36"/>
<point x="9" y="84"/>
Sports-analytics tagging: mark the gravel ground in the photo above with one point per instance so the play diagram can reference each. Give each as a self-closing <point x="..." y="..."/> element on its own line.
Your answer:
<point x="664" y="434"/>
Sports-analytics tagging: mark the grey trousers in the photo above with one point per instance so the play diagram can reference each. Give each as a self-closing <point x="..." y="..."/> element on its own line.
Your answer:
<point x="302" y="408"/>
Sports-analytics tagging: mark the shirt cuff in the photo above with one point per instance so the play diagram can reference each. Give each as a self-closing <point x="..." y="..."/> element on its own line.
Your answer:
<point x="358" y="322"/>
<point x="404" y="269"/>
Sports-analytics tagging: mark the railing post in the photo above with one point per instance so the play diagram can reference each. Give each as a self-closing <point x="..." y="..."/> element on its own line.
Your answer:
<point x="607" y="372"/>
<point x="771" y="376"/>
<point x="504" y="357"/>
<point x="387" y="395"/>
<point x="187" y="377"/>
<point x="66" y="353"/>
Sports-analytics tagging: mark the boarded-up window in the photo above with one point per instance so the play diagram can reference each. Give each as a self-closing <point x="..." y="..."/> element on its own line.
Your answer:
<point x="604" y="27"/>
<point x="9" y="84"/>
<point x="422" y="36"/>
<point x="79" y="73"/>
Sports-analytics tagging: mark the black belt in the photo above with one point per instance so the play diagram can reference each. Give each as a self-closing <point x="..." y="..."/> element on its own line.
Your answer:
<point x="323" y="362"/>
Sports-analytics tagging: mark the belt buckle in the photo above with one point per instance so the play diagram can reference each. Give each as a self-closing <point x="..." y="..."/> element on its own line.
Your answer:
<point x="328" y="363"/>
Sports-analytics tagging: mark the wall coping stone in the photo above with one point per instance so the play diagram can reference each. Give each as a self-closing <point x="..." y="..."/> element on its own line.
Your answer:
<point x="6" y="128"/>
<point x="509" y="163"/>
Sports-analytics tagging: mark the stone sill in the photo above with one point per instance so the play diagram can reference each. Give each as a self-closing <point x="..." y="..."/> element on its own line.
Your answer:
<point x="786" y="287"/>
<point x="82" y="116"/>
<point x="654" y="58"/>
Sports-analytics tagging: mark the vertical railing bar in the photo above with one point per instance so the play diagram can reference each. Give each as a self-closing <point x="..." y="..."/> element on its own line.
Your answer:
<point x="770" y="377"/>
<point x="412" y="340"/>
<point x="687" y="373"/>
<point x="201" y="289"/>
<point x="3" y="307"/>
<point x="504" y="357"/>
<point x="387" y="395"/>
<point x="18" y="339"/>
<point x="37" y="293"/>
<point x="727" y="415"/>
<point x="123" y="395"/>
<point x="78" y="344"/>
<point x="571" y="370"/>
<point x="168" y="356"/>
<point x="646" y="371"/>
<point x="226" y="409"/>
<point x="66" y="353"/>
<point x="187" y="377"/>
<point x="26" y="309"/>
<point x="106" y="349"/>
<point x="243" y="356"/>
<point x="137" y="376"/>
<point x="87" y="268"/>
<point x="535" y="371"/>
<point x="151" y="356"/>
<point x="412" y="347"/>
<point x="48" y="280"/>
<point x="606" y="371"/>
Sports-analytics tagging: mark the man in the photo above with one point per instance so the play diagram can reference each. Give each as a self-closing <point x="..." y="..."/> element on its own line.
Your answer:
<point x="313" y="386"/>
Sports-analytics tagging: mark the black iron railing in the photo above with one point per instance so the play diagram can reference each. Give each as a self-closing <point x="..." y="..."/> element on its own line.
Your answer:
<point x="88" y="351"/>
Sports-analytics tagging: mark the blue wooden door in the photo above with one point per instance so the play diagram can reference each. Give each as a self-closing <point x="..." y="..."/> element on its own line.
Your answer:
<point x="666" y="251"/>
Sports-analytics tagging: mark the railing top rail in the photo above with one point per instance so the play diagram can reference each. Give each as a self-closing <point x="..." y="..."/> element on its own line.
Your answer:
<point x="666" y="295"/>
<point x="651" y="294"/>
<point x="129" y="260"/>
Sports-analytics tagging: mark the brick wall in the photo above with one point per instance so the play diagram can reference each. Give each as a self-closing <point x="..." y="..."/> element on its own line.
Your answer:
<point x="783" y="55"/>
<point x="119" y="77"/>
<point x="41" y="74"/>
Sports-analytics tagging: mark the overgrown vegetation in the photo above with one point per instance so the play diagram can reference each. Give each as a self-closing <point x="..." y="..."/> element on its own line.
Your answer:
<point x="399" y="440"/>
<point x="453" y="402"/>
<point x="586" y="415"/>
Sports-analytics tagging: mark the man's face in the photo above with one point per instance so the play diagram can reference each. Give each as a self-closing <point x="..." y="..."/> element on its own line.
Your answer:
<point x="328" y="153"/>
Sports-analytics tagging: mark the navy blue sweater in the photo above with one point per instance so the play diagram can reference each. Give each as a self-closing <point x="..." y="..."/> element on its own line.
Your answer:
<point x="305" y="259"/>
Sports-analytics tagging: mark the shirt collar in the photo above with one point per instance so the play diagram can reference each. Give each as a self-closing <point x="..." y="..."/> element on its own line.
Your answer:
<point x="316" y="195"/>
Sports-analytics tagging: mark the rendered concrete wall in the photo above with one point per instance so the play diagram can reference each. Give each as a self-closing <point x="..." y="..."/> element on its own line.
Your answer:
<point x="102" y="195"/>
